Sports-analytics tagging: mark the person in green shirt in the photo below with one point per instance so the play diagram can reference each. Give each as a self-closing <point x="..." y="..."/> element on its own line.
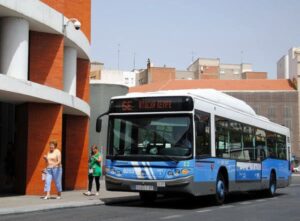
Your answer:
<point x="94" y="170"/>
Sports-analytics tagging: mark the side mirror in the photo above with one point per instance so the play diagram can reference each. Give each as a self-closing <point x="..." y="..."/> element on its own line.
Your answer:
<point x="98" y="125"/>
<point x="99" y="121"/>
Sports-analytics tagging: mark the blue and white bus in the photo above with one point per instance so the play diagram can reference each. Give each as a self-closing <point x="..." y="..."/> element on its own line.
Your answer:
<point x="199" y="142"/>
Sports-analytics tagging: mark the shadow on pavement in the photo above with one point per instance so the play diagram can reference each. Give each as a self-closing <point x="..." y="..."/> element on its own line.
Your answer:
<point x="185" y="203"/>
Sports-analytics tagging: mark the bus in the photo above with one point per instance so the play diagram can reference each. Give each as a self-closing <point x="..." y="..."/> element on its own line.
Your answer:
<point x="198" y="142"/>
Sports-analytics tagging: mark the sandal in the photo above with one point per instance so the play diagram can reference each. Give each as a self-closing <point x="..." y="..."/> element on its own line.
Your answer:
<point x="88" y="193"/>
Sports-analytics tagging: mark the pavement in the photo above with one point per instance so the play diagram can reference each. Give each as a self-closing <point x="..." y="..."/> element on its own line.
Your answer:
<point x="70" y="199"/>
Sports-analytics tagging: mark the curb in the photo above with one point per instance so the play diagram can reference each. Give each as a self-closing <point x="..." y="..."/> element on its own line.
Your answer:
<point x="66" y="205"/>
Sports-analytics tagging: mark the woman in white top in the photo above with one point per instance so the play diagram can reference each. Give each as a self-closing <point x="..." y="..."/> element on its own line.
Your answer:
<point x="54" y="169"/>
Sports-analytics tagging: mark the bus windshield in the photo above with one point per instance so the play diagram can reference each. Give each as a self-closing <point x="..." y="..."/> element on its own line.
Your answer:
<point x="151" y="135"/>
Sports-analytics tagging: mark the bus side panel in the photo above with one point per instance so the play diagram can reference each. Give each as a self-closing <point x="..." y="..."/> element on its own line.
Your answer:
<point x="206" y="172"/>
<point x="281" y="168"/>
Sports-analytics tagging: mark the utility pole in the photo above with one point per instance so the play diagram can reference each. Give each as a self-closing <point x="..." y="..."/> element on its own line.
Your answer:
<point x="192" y="56"/>
<point x="242" y="54"/>
<point x="134" y="60"/>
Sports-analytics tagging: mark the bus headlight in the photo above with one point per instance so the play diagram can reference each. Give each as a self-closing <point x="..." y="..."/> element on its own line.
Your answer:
<point x="185" y="171"/>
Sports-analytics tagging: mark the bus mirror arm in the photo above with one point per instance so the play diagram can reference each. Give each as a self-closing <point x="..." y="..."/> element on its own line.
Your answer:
<point x="99" y="121"/>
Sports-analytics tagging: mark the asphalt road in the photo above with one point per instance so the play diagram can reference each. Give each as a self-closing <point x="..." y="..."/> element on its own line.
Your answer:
<point x="244" y="206"/>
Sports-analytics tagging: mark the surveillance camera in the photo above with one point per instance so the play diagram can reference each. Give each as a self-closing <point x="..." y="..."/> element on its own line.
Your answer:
<point x="77" y="25"/>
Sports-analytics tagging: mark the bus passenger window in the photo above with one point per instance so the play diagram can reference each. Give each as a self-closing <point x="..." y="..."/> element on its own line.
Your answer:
<point x="248" y="142"/>
<point x="271" y="144"/>
<point x="202" y="125"/>
<point x="260" y="144"/>
<point x="222" y="142"/>
<point x="281" y="147"/>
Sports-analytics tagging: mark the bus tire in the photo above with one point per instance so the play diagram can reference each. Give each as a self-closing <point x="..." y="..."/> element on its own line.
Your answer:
<point x="148" y="197"/>
<point x="221" y="192"/>
<point x="271" y="191"/>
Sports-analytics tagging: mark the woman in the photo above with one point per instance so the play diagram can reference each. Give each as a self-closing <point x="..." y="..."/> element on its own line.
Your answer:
<point x="94" y="170"/>
<point x="54" y="169"/>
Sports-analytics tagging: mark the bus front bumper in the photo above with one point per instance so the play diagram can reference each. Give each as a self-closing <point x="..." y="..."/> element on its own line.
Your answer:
<point x="176" y="185"/>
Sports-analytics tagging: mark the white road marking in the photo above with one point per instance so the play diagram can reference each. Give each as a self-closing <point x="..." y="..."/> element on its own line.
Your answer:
<point x="273" y="198"/>
<point x="294" y="184"/>
<point x="261" y="200"/>
<point x="203" y="211"/>
<point x="226" y="207"/>
<point x="245" y="203"/>
<point x="171" y="217"/>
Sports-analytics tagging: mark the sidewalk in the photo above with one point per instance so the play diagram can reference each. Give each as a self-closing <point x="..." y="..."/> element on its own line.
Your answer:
<point x="70" y="199"/>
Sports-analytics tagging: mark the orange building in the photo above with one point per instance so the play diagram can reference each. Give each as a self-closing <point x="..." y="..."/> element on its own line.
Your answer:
<point x="44" y="91"/>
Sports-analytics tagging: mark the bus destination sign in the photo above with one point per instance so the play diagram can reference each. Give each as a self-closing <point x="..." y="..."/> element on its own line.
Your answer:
<point x="151" y="104"/>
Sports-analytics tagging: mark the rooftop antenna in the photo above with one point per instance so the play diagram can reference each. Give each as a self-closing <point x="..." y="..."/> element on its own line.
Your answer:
<point x="192" y="56"/>
<point x="118" y="57"/>
<point x="134" y="60"/>
<point x="242" y="54"/>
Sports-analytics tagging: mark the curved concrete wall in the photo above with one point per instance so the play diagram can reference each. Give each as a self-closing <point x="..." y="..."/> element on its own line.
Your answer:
<point x="100" y="97"/>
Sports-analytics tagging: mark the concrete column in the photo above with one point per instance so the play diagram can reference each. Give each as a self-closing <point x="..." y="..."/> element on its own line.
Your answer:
<point x="14" y="36"/>
<point x="70" y="66"/>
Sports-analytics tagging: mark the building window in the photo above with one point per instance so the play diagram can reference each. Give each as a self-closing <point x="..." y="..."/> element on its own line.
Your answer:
<point x="287" y="112"/>
<point x="288" y="123"/>
<point x="271" y="112"/>
<point x="256" y="109"/>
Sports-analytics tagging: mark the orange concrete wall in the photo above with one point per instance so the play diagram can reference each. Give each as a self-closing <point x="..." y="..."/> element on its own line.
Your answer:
<point x="58" y="5"/>
<point x="159" y="74"/>
<point x="83" y="81"/>
<point x="44" y="124"/>
<point x="76" y="152"/>
<point x="46" y="59"/>
<point x="79" y="9"/>
<point x="255" y="75"/>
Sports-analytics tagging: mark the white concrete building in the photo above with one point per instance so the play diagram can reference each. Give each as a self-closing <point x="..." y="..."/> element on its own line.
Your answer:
<point x="111" y="76"/>
<point x="288" y="66"/>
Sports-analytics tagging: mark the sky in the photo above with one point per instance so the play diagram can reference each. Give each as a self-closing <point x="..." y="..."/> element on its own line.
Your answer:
<point x="125" y="33"/>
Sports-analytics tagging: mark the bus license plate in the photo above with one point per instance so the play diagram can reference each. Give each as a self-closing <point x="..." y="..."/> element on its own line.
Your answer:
<point x="144" y="187"/>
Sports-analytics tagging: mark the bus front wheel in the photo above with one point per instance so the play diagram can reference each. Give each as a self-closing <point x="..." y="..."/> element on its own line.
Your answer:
<point x="148" y="197"/>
